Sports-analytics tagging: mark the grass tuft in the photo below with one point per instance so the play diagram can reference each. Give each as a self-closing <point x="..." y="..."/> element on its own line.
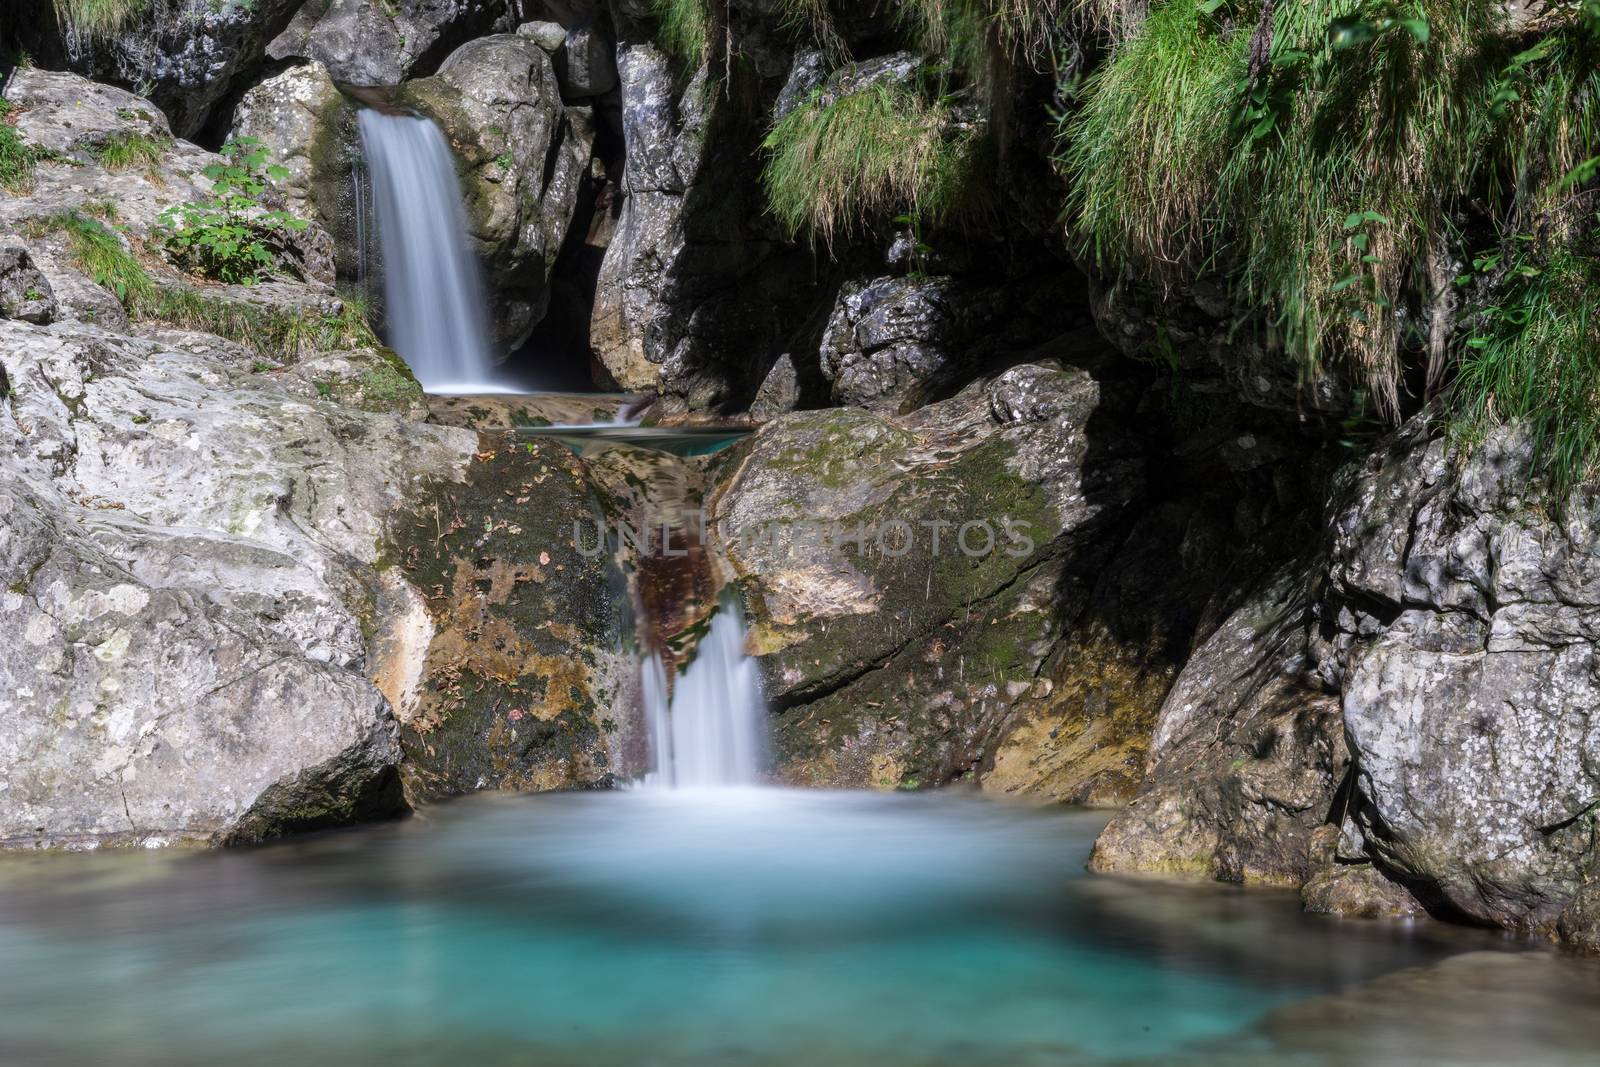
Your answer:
<point x="1534" y="359"/>
<point x="126" y="150"/>
<point x="866" y="157"/>
<point x="17" y="160"/>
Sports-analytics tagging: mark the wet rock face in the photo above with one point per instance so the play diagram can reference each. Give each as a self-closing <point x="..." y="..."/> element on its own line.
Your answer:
<point x="186" y="560"/>
<point x="517" y="687"/>
<point x="1464" y="613"/>
<point x="894" y="661"/>
<point x="377" y="42"/>
<point x="523" y="160"/>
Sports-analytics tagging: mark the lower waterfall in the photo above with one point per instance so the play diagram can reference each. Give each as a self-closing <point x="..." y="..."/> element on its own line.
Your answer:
<point x="434" y="302"/>
<point x="708" y="731"/>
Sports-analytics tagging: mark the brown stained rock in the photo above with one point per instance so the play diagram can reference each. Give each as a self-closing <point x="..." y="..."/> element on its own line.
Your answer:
<point x="1081" y="733"/>
<point x="520" y="688"/>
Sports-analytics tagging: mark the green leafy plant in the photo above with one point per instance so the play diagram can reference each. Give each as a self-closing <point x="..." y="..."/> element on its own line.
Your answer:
<point x="233" y="237"/>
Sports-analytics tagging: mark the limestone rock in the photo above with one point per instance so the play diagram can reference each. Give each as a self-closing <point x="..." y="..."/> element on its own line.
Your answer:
<point x="547" y="35"/>
<point x="290" y="114"/>
<point x="25" y="293"/>
<point x="74" y="119"/>
<point x="1463" y="618"/>
<point x="376" y="42"/>
<point x="666" y="138"/>
<point x="892" y="343"/>
<point x="523" y="162"/>
<point x="586" y="64"/>
<point x="188" y="557"/>
<point x="1357" y="891"/>
<point x="188" y="54"/>
<point x="1246" y="759"/>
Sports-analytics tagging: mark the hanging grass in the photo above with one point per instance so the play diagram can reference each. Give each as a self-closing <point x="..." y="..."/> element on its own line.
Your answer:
<point x="683" y="29"/>
<point x="92" y="19"/>
<point x="867" y="157"/>
<point x="1534" y="359"/>
<point x="1327" y="161"/>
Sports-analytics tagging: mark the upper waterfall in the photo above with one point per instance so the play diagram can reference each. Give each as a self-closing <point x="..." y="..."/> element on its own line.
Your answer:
<point x="708" y="733"/>
<point x="434" y="302"/>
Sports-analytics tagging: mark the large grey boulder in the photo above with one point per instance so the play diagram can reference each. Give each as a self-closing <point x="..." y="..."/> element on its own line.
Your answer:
<point x="189" y="560"/>
<point x="1464" y="611"/>
<point x="523" y="159"/>
<point x="892" y="343"/>
<point x="379" y="42"/>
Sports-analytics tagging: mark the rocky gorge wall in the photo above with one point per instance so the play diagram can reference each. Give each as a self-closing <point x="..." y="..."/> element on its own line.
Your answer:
<point x="262" y="594"/>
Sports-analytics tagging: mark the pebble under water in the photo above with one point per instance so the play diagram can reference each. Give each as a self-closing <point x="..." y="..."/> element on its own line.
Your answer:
<point x="747" y="926"/>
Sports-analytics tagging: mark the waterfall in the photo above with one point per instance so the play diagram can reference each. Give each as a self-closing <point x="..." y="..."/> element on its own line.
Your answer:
<point x="709" y="733"/>
<point x="434" y="301"/>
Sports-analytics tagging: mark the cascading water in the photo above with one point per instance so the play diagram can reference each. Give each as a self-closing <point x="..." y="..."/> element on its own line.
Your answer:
<point x="708" y="733"/>
<point x="433" y="287"/>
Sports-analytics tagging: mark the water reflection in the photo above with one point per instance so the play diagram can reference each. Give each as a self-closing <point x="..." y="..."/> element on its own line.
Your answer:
<point x="737" y="927"/>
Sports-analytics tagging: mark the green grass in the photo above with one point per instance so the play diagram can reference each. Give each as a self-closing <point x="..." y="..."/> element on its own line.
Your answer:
<point x="682" y="27"/>
<point x="279" y="334"/>
<point x="1330" y="187"/>
<point x="126" y="150"/>
<point x="1534" y="359"/>
<point x="17" y="160"/>
<point x="99" y="18"/>
<point x="101" y="254"/>
<point x="867" y="157"/>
